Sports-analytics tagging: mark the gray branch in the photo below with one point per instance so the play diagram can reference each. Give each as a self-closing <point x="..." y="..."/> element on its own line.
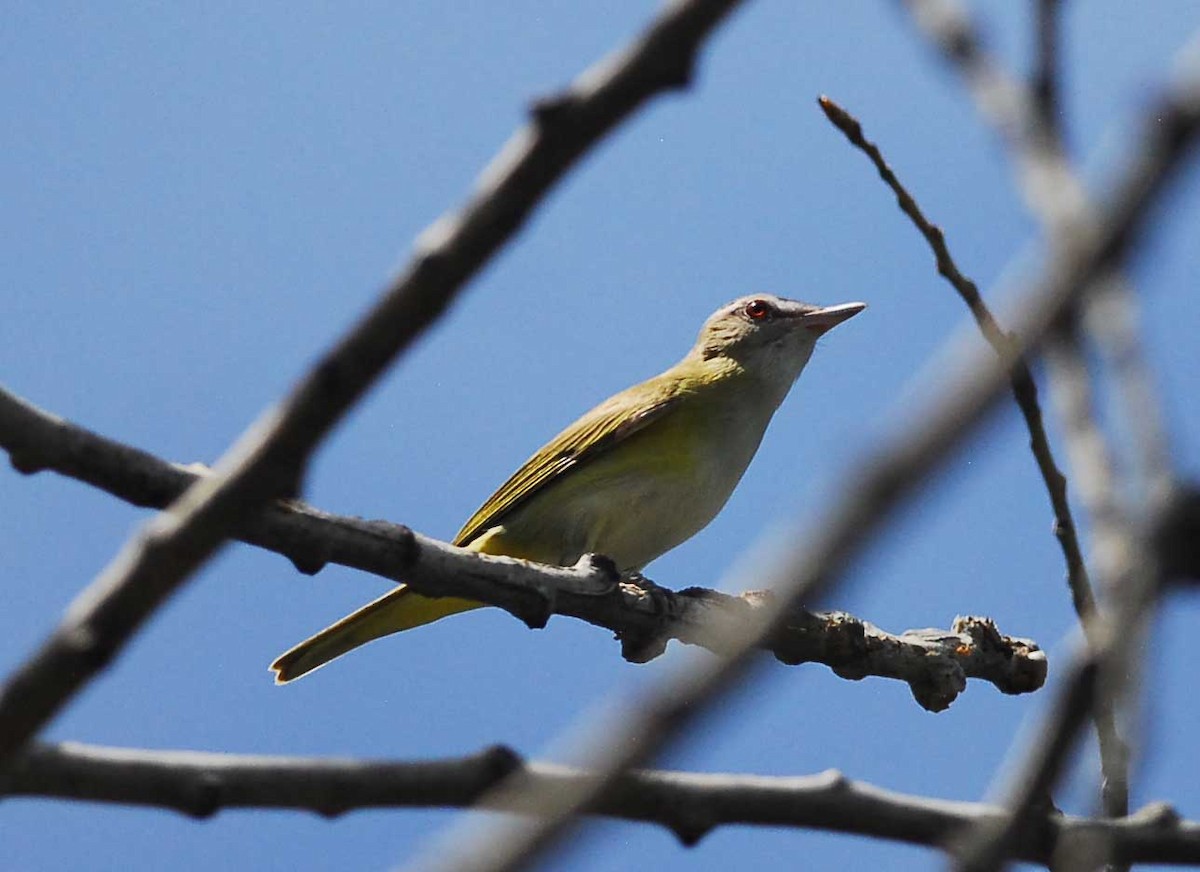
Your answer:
<point x="934" y="663"/>
<point x="690" y="805"/>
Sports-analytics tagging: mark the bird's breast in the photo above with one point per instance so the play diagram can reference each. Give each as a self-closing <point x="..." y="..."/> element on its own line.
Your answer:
<point x="647" y="494"/>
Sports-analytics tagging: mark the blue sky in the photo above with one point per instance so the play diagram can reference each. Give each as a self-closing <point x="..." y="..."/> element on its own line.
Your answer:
<point x="196" y="200"/>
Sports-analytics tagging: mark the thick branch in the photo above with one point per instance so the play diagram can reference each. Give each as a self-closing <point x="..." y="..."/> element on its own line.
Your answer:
<point x="935" y="663"/>
<point x="269" y="460"/>
<point x="200" y="784"/>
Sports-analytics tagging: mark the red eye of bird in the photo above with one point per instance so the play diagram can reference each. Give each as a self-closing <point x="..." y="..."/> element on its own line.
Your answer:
<point x="757" y="310"/>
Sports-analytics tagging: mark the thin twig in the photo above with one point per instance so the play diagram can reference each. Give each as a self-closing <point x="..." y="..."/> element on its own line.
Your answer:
<point x="1024" y="387"/>
<point x="1115" y="632"/>
<point x="1121" y="559"/>
<point x="269" y="460"/>
<point x="884" y="481"/>
<point x="690" y="805"/>
<point x="1115" y="749"/>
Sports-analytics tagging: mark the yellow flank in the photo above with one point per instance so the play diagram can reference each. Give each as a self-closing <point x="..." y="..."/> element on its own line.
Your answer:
<point x="631" y="479"/>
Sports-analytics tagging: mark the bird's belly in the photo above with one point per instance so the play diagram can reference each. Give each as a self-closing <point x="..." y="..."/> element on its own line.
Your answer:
<point x="630" y="505"/>
<point x="653" y="518"/>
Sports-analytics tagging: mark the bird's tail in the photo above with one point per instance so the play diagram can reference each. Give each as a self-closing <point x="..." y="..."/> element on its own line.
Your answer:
<point x="396" y="610"/>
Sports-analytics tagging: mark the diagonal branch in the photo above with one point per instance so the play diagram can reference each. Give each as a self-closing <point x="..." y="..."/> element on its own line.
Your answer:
<point x="934" y="663"/>
<point x="690" y="805"/>
<point x="1024" y="387"/>
<point x="269" y="460"/>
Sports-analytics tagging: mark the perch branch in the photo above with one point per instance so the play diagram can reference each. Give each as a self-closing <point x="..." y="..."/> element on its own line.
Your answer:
<point x="935" y="663"/>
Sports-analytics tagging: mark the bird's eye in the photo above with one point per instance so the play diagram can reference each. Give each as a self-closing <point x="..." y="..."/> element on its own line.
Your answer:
<point x="757" y="310"/>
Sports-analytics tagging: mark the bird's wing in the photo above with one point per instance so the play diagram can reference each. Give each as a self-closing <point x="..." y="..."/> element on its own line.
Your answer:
<point x="607" y="425"/>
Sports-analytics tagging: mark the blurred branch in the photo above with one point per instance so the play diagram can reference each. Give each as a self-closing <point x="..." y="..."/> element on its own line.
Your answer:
<point x="1111" y="320"/>
<point x="1118" y="556"/>
<point x="882" y="483"/>
<point x="1047" y="75"/>
<point x="935" y="663"/>
<point x="1177" y="539"/>
<point x="1024" y="387"/>
<point x="1027" y="121"/>
<point x="690" y="805"/>
<point x="1045" y="179"/>
<point x="268" y="461"/>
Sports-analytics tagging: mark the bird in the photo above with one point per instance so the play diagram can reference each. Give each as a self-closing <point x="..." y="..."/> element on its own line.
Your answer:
<point x="633" y="478"/>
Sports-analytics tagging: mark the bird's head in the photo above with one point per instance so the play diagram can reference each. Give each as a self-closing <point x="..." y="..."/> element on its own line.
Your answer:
<point x="768" y="335"/>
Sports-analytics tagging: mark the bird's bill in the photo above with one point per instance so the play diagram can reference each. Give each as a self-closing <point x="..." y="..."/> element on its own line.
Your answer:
<point x="828" y="317"/>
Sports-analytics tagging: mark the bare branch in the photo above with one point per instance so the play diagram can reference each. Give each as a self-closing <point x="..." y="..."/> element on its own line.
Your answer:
<point x="691" y="805"/>
<point x="1114" y="544"/>
<point x="885" y="480"/>
<point x="269" y="459"/>
<point x="1108" y="648"/>
<point x="935" y="663"/>
<point x="1093" y="461"/>
<point x="1046" y="79"/>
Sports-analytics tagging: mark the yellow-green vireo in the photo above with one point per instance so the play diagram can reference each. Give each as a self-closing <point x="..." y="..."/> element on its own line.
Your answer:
<point x="634" y="477"/>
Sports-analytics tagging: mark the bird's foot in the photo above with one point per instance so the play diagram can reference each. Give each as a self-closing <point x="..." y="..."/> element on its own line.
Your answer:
<point x="644" y="646"/>
<point x="604" y="567"/>
<point x="659" y="596"/>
